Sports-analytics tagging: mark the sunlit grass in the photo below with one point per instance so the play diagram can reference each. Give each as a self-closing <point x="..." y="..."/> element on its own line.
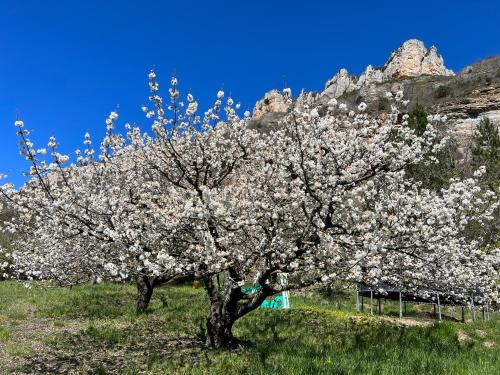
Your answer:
<point x="97" y="324"/>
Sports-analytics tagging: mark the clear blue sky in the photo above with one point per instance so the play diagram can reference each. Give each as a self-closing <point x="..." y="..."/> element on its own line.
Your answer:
<point x="64" y="65"/>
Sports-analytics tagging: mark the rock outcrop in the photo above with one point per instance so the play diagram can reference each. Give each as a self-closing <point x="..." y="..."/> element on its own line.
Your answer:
<point x="479" y="101"/>
<point x="412" y="59"/>
<point x="463" y="130"/>
<point x="273" y="102"/>
<point x="465" y="114"/>
<point x="341" y="83"/>
<point x="421" y="74"/>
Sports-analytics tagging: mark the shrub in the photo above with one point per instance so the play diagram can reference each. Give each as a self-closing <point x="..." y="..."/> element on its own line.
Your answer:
<point x="442" y="92"/>
<point x="418" y="119"/>
<point x="383" y="104"/>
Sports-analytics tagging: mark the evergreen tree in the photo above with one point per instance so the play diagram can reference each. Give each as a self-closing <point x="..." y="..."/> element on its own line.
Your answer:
<point x="418" y="119"/>
<point x="486" y="151"/>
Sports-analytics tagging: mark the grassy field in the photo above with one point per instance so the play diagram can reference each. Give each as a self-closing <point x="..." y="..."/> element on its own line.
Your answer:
<point x="94" y="330"/>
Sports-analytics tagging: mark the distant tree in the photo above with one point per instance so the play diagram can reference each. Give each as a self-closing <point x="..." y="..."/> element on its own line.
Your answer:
<point x="417" y="119"/>
<point x="486" y="151"/>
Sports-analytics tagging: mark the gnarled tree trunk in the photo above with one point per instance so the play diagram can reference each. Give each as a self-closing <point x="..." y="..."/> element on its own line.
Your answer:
<point x="219" y="327"/>
<point x="225" y="310"/>
<point x="145" y="288"/>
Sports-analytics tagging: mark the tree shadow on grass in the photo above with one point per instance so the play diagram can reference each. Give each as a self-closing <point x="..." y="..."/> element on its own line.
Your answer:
<point x="111" y="350"/>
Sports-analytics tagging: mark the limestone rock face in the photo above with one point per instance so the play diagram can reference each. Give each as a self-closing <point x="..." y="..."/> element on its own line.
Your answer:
<point x="412" y="59"/>
<point x="463" y="130"/>
<point x="340" y="84"/>
<point x="306" y="99"/>
<point x="417" y="71"/>
<point x="481" y="100"/>
<point x="370" y="76"/>
<point x="273" y="102"/>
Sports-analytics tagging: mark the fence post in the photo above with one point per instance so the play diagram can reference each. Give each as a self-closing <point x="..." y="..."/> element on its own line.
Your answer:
<point x="473" y="308"/>
<point x="371" y="302"/>
<point x="400" y="306"/>
<point x="439" y="307"/>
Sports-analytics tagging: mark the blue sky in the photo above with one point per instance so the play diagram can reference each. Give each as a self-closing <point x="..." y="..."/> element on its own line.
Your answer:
<point x="64" y="65"/>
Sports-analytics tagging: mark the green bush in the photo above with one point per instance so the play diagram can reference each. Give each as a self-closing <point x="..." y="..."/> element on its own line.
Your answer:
<point x="442" y="92"/>
<point x="418" y="119"/>
<point x="383" y="104"/>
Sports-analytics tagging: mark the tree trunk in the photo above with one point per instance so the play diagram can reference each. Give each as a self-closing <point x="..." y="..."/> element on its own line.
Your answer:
<point x="225" y="310"/>
<point x="219" y="327"/>
<point x="144" y="292"/>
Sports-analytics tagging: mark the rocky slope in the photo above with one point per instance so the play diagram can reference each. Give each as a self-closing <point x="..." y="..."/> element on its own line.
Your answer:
<point x="422" y="75"/>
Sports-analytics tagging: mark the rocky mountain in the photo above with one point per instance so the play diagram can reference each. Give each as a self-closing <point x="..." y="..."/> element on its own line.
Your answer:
<point x="412" y="59"/>
<point x="421" y="74"/>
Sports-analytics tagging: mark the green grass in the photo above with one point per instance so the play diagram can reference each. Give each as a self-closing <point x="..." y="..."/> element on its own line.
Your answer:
<point x="14" y="350"/>
<point x="94" y="329"/>
<point x="5" y="333"/>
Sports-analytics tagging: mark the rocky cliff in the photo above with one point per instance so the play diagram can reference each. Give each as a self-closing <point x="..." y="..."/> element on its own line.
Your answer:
<point x="422" y="75"/>
<point x="412" y="59"/>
